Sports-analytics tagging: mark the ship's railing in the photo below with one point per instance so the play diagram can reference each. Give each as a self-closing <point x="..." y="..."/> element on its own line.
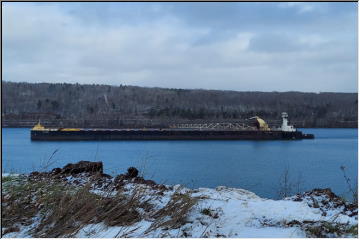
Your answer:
<point x="212" y="125"/>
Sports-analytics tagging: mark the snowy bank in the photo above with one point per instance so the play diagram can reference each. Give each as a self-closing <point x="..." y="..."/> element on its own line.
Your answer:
<point x="80" y="201"/>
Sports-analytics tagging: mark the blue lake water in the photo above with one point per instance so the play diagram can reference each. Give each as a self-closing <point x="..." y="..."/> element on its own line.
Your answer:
<point x="257" y="166"/>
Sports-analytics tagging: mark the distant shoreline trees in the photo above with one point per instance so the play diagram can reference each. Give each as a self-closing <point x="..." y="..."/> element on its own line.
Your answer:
<point x="116" y="106"/>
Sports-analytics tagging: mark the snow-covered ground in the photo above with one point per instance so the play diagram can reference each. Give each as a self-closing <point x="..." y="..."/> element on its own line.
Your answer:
<point x="220" y="212"/>
<point x="233" y="213"/>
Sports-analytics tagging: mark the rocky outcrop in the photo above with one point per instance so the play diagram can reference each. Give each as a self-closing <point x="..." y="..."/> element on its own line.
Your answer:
<point x="85" y="172"/>
<point x="132" y="176"/>
<point x="83" y="167"/>
<point x="326" y="200"/>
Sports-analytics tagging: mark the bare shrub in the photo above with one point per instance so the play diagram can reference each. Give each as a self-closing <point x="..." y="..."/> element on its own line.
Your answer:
<point x="287" y="186"/>
<point x="352" y="189"/>
<point x="45" y="164"/>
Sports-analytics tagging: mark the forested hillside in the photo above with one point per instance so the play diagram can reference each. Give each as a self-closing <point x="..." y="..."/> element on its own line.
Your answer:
<point x="130" y="106"/>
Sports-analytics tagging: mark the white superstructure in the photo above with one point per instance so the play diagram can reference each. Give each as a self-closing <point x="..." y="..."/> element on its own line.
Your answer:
<point x="284" y="126"/>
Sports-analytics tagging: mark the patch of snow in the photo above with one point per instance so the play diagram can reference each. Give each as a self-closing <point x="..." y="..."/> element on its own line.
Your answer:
<point x="10" y="174"/>
<point x="25" y="231"/>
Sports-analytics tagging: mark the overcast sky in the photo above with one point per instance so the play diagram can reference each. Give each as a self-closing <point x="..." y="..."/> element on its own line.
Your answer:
<point x="308" y="47"/>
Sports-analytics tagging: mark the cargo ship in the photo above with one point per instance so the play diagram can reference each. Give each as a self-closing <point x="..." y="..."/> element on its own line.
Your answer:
<point x="213" y="131"/>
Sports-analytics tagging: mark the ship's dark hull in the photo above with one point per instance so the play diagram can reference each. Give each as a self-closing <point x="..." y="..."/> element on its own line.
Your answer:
<point x="166" y="134"/>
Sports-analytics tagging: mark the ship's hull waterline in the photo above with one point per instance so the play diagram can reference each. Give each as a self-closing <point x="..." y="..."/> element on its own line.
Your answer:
<point x="165" y="134"/>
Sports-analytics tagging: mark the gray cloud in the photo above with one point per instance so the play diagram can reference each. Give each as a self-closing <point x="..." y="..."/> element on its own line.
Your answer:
<point x="238" y="46"/>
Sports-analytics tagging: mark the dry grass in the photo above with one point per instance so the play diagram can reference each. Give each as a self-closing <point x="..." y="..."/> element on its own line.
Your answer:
<point x="18" y="205"/>
<point x="71" y="212"/>
<point x="61" y="210"/>
<point x="174" y="214"/>
<point x="66" y="209"/>
<point x="66" y="213"/>
<point x="327" y="229"/>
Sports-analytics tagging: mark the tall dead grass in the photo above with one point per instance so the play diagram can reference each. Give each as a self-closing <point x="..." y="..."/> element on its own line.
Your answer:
<point x="174" y="214"/>
<point x="61" y="210"/>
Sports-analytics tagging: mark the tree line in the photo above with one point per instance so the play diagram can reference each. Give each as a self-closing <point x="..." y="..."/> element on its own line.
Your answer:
<point x="84" y="105"/>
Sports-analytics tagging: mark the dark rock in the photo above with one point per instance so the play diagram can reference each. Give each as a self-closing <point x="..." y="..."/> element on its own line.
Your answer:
<point x="33" y="174"/>
<point x="293" y="222"/>
<point x="119" y="186"/>
<point x="297" y="199"/>
<point x="326" y="200"/>
<point x="106" y="175"/>
<point x="308" y="222"/>
<point x="36" y="176"/>
<point x="141" y="180"/>
<point x="355" y="213"/>
<point x="119" y="181"/>
<point x="119" y="178"/>
<point x="100" y="180"/>
<point x="161" y="187"/>
<point x="138" y="180"/>
<point x="96" y="177"/>
<point x="325" y="191"/>
<point x="149" y="182"/>
<point x="57" y="177"/>
<point x="55" y="171"/>
<point x="83" y="167"/>
<point x="132" y="172"/>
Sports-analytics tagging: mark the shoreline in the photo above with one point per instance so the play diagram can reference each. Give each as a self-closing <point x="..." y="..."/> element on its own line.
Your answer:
<point x="157" y="210"/>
